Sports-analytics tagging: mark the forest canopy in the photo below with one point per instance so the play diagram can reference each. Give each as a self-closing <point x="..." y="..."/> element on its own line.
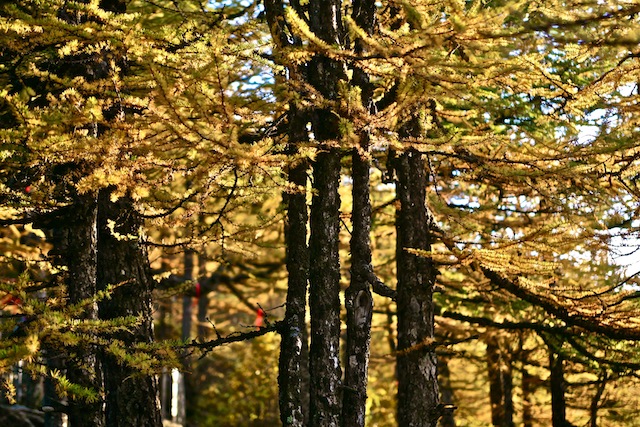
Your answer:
<point x="319" y="213"/>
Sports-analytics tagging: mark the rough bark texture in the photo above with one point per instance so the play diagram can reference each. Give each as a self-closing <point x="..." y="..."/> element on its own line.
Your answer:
<point x="323" y="73"/>
<point x="293" y="377"/>
<point x="418" y="395"/>
<point x="358" y="299"/>
<point x="81" y="253"/>
<point x="73" y="235"/>
<point x="131" y="397"/>
<point x="324" y="301"/>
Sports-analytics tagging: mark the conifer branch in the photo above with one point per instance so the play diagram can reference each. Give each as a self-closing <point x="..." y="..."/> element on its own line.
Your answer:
<point x="605" y="361"/>
<point x="207" y="346"/>
<point x="380" y="288"/>
<point x="562" y="313"/>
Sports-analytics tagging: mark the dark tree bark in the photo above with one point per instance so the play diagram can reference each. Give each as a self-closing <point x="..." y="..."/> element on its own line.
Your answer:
<point x="446" y="391"/>
<point x="131" y="397"/>
<point x="74" y="238"/>
<point x="358" y="298"/>
<point x="81" y="260"/>
<point x="293" y="377"/>
<point x="324" y="301"/>
<point x="500" y="385"/>
<point x="418" y="394"/>
<point x="557" y="387"/>
<point x="324" y="274"/>
<point x="50" y="399"/>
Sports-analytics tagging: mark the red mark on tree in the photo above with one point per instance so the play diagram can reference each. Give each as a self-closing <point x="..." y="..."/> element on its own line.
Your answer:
<point x="259" y="318"/>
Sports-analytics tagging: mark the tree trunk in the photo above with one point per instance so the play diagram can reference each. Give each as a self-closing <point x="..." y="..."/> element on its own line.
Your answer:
<point x="74" y="238"/>
<point x="446" y="391"/>
<point x="324" y="301"/>
<point x="293" y="378"/>
<point x="418" y="395"/>
<point x="131" y="396"/>
<point x="358" y="299"/>
<point x="500" y="385"/>
<point x="595" y="401"/>
<point x="50" y="399"/>
<point x="557" y="388"/>
<point x="325" y="20"/>
<point x="81" y="258"/>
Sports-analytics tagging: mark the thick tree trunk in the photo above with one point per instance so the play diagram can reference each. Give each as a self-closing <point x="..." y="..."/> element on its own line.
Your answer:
<point x="324" y="301"/>
<point x="131" y="396"/>
<point x="81" y="253"/>
<point x="293" y="377"/>
<point x="418" y="395"/>
<point x="74" y="240"/>
<point x="50" y="398"/>
<point x="358" y="299"/>
<point x="325" y="20"/>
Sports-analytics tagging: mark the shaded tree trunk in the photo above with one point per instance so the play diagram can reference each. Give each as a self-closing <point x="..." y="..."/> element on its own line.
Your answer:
<point x="557" y="387"/>
<point x="595" y="401"/>
<point x="81" y="254"/>
<point x="293" y="374"/>
<point x="50" y="399"/>
<point x="324" y="301"/>
<point x="293" y="377"/>
<point x="323" y="73"/>
<point x="73" y="234"/>
<point x="131" y="396"/>
<point x="446" y="391"/>
<point x="500" y="385"/>
<point x="418" y="395"/>
<point x="184" y="379"/>
<point x="358" y="299"/>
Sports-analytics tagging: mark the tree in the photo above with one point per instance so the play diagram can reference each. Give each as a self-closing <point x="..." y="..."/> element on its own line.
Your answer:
<point x="61" y="88"/>
<point x="477" y="206"/>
